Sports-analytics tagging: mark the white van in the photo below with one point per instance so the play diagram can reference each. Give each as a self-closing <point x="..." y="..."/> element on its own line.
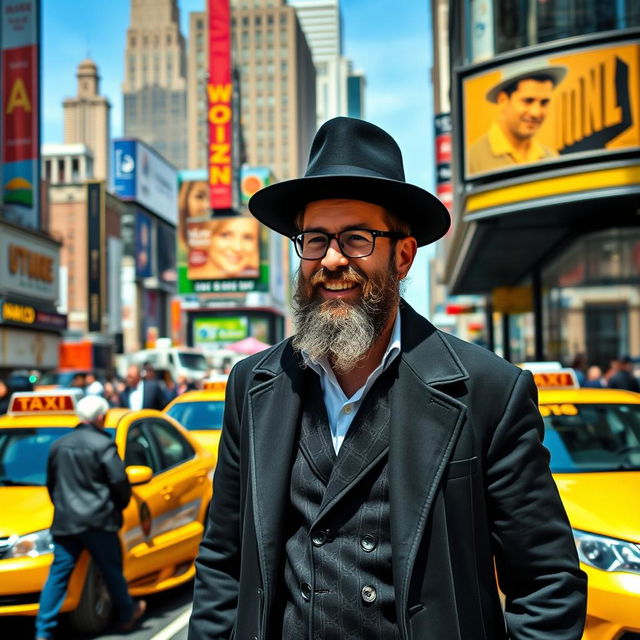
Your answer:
<point x="178" y="361"/>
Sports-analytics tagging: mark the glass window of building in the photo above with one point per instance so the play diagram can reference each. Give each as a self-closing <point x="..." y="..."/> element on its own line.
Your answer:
<point x="498" y="26"/>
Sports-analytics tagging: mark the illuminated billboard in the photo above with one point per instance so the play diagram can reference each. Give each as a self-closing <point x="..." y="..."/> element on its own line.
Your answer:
<point x="20" y="159"/>
<point x="569" y="104"/>
<point x="220" y="94"/>
<point x="216" y="253"/>
<point x="253" y="179"/>
<point x="144" y="176"/>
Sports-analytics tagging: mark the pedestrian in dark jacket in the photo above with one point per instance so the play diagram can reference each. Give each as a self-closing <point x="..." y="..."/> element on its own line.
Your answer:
<point x="142" y="392"/>
<point x="89" y="489"/>
<point x="623" y="378"/>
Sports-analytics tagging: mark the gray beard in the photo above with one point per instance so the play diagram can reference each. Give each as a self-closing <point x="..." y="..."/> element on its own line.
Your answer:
<point x="342" y="332"/>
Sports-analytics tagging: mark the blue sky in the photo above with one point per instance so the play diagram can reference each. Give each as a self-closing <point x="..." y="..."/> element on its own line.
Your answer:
<point x="389" y="41"/>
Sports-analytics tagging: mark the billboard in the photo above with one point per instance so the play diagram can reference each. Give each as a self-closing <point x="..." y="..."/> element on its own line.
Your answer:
<point x="577" y="103"/>
<point x="20" y="129"/>
<point x="219" y="92"/>
<point x="253" y="179"/>
<point x="141" y="174"/>
<point x="222" y="329"/>
<point x="216" y="253"/>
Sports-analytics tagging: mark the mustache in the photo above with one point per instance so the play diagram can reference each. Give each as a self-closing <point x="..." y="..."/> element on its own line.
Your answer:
<point x="348" y="275"/>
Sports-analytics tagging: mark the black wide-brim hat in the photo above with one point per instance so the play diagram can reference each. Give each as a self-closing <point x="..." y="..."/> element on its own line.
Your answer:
<point x="354" y="160"/>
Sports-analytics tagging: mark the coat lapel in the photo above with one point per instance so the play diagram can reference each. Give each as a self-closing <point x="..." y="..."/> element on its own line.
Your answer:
<point x="424" y="428"/>
<point x="274" y="408"/>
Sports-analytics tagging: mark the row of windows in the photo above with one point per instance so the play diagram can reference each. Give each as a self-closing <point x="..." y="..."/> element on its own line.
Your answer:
<point x="146" y="41"/>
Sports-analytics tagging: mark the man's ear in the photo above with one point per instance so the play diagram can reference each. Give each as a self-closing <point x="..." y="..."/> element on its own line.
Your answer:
<point x="406" y="249"/>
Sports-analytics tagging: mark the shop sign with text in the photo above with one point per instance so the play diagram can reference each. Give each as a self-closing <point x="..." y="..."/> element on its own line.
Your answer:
<point x="29" y="265"/>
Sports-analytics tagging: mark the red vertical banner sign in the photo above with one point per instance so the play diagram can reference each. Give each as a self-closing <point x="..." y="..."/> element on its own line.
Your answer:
<point x="20" y="128"/>
<point x="219" y="92"/>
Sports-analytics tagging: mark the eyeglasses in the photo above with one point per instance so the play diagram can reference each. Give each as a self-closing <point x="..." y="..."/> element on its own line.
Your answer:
<point x="353" y="243"/>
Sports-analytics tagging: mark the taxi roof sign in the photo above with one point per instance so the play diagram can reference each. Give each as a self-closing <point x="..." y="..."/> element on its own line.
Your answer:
<point x="553" y="376"/>
<point x="214" y="385"/>
<point x="38" y="403"/>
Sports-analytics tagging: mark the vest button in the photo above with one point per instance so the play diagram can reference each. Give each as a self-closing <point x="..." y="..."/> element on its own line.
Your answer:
<point x="368" y="542"/>
<point x="318" y="537"/>
<point x="369" y="594"/>
<point x="305" y="590"/>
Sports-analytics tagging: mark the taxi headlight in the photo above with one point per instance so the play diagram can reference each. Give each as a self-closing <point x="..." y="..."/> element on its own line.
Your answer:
<point x="607" y="554"/>
<point x="30" y="545"/>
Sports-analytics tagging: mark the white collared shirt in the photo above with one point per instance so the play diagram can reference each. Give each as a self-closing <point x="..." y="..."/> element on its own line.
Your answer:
<point x="340" y="409"/>
<point x="136" y="397"/>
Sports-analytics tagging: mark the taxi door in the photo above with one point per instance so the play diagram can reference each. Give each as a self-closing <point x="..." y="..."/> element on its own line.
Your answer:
<point x="149" y="505"/>
<point x="185" y="481"/>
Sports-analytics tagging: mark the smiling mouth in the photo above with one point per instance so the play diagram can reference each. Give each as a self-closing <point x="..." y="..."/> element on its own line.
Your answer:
<point x="338" y="286"/>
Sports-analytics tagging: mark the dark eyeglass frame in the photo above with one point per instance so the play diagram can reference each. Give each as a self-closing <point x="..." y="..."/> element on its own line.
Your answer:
<point x="375" y="233"/>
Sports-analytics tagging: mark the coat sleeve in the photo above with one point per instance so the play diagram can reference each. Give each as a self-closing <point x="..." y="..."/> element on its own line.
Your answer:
<point x="116" y="476"/>
<point x="216" y="587"/>
<point x="536" y="558"/>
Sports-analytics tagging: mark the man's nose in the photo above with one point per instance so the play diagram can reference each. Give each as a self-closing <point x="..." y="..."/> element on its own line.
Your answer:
<point x="536" y="110"/>
<point x="334" y="258"/>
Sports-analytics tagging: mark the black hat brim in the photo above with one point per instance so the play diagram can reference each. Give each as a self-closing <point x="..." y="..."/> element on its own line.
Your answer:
<point x="277" y="205"/>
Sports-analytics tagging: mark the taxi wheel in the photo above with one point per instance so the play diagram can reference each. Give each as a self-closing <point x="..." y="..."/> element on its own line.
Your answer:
<point x="94" y="609"/>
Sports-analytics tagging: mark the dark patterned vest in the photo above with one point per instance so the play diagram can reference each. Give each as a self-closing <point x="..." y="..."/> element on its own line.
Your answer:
<point x="337" y="577"/>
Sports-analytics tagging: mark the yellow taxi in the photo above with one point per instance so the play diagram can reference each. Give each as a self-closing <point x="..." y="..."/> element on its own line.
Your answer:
<point x="200" y="412"/>
<point x="593" y="436"/>
<point x="171" y="474"/>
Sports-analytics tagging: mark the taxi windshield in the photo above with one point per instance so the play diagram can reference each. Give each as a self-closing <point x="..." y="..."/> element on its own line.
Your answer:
<point x="592" y="437"/>
<point x="198" y="416"/>
<point x="24" y="452"/>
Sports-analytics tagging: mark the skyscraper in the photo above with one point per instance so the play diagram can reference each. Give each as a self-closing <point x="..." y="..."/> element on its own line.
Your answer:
<point x="155" y="85"/>
<point x="356" y="84"/>
<point x="322" y="26"/>
<point x="86" y="118"/>
<point x="277" y="86"/>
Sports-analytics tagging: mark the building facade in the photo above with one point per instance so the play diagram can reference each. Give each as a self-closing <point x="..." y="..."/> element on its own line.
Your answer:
<point x="86" y="118"/>
<point x="322" y="25"/>
<point x="277" y="86"/>
<point x="547" y="229"/>
<point x="155" y="79"/>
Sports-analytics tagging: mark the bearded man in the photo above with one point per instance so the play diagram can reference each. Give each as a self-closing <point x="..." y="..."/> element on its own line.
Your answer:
<point x="374" y="474"/>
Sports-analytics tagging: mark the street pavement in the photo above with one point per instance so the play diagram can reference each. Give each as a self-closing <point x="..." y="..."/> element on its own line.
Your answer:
<point x="166" y="619"/>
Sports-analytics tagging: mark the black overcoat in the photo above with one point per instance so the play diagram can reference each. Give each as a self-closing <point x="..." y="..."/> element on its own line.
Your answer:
<point x="470" y="496"/>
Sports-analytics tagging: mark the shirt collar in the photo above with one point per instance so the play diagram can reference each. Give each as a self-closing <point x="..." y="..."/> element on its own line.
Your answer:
<point x="500" y="145"/>
<point x="322" y="366"/>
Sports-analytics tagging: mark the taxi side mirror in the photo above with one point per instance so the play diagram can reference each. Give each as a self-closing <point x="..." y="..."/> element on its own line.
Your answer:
<point x="139" y="474"/>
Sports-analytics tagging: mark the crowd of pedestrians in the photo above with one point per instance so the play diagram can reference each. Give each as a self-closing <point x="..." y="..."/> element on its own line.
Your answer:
<point x="619" y="375"/>
<point x="142" y="387"/>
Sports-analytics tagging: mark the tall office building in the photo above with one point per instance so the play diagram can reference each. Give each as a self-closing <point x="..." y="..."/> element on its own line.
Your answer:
<point x="322" y="26"/>
<point x="155" y="85"/>
<point x="86" y="118"/>
<point x="356" y="84"/>
<point x="277" y="86"/>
